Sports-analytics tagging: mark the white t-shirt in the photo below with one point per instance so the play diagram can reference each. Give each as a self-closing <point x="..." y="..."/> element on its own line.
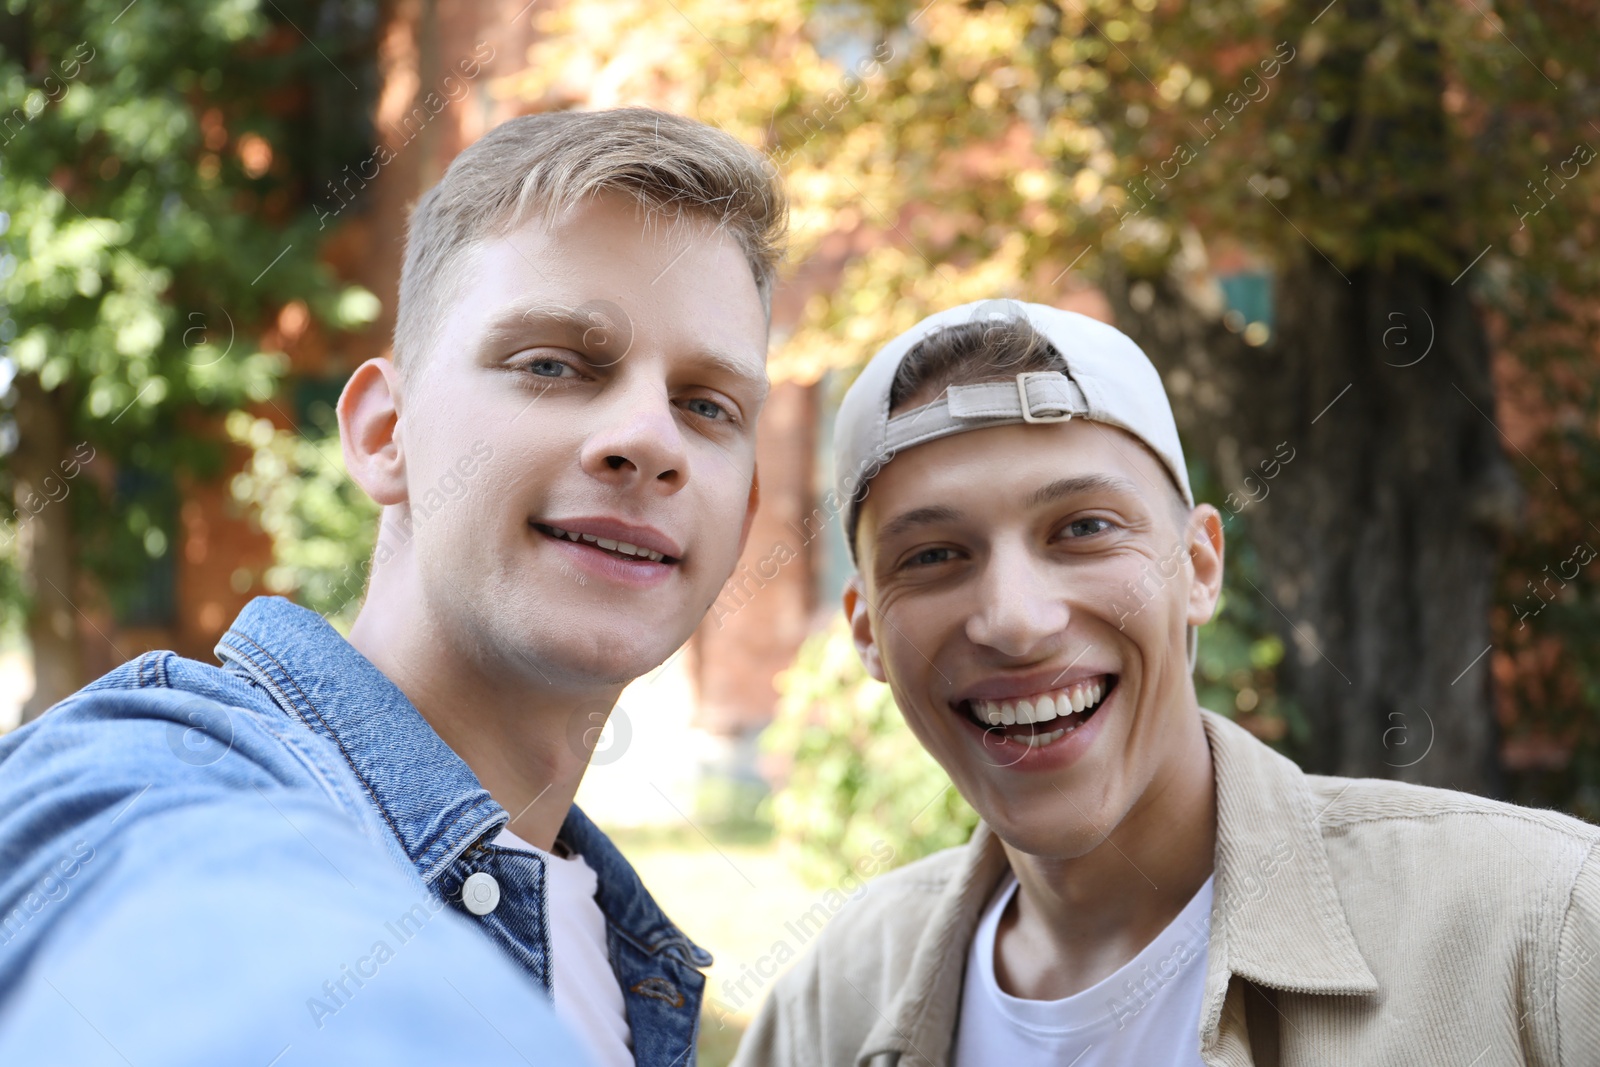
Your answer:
<point x="1148" y="1012"/>
<point x="587" y="994"/>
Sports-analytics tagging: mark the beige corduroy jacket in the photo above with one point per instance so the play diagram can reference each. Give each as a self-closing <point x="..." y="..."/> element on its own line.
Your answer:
<point x="1357" y="922"/>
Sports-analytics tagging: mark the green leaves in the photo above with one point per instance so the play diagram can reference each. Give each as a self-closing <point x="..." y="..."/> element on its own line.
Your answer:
<point x="155" y="164"/>
<point x="858" y="775"/>
<point x="322" y="525"/>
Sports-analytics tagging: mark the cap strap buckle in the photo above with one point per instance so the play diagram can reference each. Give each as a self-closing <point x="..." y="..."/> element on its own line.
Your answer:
<point x="1027" y="405"/>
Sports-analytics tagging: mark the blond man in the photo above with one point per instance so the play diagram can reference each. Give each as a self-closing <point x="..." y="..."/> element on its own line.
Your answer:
<point x="366" y="850"/>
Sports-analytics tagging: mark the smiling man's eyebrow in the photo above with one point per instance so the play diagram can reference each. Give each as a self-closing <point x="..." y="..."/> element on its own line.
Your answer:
<point x="917" y="517"/>
<point x="1056" y="490"/>
<point x="1083" y="483"/>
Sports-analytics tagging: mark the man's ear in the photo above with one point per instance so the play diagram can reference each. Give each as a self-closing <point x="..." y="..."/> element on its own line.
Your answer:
<point x="1206" y="554"/>
<point x="750" y="508"/>
<point x="369" y="418"/>
<point x="856" y="610"/>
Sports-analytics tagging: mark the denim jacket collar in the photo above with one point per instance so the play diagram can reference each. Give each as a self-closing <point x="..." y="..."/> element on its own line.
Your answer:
<point x="427" y="794"/>
<point x="429" y="797"/>
<point x="628" y="905"/>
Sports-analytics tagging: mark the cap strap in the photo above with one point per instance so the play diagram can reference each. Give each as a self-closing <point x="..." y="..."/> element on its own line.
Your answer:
<point x="1034" y="396"/>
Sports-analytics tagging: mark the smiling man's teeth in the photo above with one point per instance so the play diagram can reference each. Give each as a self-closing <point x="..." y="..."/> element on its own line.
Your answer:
<point x="1040" y="740"/>
<point x="1042" y="708"/>
<point x="609" y="545"/>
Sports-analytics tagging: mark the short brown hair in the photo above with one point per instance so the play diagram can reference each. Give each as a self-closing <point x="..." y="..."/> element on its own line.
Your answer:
<point x="539" y="165"/>
<point x="969" y="353"/>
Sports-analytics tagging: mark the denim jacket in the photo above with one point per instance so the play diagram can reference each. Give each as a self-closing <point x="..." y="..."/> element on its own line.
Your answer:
<point x="297" y="717"/>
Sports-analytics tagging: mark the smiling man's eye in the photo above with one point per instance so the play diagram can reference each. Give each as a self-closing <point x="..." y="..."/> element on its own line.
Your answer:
<point x="930" y="556"/>
<point x="1087" y="527"/>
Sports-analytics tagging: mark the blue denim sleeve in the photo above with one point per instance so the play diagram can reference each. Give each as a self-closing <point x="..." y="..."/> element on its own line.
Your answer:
<point x="156" y="908"/>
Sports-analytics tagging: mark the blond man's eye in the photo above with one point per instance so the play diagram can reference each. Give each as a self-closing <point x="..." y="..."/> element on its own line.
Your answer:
<point x="707" y="409"/>
<point x="548" y="368"/>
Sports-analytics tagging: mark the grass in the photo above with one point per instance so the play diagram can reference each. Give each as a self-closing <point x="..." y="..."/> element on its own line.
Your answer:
<point x="717" y="1043"/>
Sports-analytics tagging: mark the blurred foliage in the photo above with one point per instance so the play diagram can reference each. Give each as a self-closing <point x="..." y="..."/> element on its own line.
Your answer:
<point x="736" y="806"/>
<point x="156" y="162"/>
<point x="1546" y="661"/>
<point x="858" y="775"/>
<point x="323" y="526"/>
<point x="976" y="149"/>
<point x="1236" y="663"/>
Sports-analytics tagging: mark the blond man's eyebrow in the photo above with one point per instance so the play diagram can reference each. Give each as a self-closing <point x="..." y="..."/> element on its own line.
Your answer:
<point x="568" y="323"/>
<point x="581" y="330"/>
<point x="753" y="376"/>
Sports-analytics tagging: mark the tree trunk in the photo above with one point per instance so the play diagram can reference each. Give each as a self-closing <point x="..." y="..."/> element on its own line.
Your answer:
<point x="1378" y="538"/>
<point x="43" y="469"/>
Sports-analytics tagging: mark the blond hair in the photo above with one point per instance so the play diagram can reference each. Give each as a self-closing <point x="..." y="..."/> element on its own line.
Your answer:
<point x="539" y="165"/>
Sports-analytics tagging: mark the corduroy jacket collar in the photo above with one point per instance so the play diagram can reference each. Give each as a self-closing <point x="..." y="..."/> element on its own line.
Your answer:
<point x="1276" y="921"/>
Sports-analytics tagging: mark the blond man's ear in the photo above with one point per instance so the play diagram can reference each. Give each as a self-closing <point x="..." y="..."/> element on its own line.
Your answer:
<point x="369" y="423"/>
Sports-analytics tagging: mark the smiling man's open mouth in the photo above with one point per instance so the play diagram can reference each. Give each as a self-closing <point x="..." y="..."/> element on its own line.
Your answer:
<point x="1041" y="719"/>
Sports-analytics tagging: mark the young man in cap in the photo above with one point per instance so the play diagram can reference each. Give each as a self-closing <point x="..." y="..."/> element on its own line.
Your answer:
<point x="564" y="448"/>
<point x="1149" y="884"/>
